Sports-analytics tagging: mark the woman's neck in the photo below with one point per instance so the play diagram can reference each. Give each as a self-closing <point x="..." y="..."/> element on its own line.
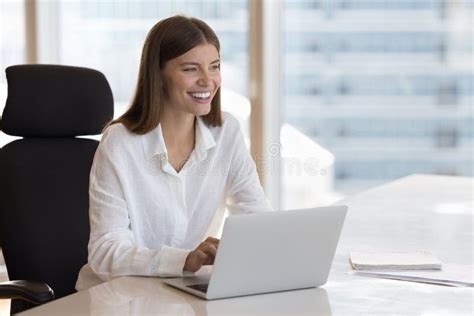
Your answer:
<point x="178" y="129"/>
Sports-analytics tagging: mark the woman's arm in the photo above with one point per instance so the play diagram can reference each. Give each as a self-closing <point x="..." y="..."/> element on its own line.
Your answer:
<point x="113" y="250"/>
<point x="245" y="193"/>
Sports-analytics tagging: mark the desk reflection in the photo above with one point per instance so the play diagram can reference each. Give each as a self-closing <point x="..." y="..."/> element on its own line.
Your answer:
<point x="418" y="212"/>
<point x="135" y="296"/>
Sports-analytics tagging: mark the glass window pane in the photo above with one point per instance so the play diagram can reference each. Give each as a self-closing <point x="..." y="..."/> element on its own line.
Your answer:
<point x="12" y="40"/>
<point x="383" y="89"/>
<point x="12" y="47"/>
<point x="109" y="35"/>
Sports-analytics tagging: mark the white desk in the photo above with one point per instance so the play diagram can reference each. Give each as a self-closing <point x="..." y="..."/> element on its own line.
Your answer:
<point x="430" y="212"/>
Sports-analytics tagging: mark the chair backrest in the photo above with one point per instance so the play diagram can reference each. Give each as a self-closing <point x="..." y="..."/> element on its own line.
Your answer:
<point x="44" y="177"/>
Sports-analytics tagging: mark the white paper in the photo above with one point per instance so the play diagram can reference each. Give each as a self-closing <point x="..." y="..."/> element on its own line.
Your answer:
<point x="452" y="275"/>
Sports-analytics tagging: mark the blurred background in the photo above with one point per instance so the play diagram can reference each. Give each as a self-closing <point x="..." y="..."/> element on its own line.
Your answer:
<point x="367" y="91"/>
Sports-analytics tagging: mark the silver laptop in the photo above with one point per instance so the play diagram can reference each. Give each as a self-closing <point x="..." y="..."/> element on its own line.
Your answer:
<point x="270" y="252"/>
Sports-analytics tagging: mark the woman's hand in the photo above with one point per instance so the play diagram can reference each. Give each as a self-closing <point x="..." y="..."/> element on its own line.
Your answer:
<point x="204" y="254"/>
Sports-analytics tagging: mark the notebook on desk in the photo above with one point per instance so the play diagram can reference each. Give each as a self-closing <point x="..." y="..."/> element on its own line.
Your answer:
<point x="270" y="252"/>
<point x="394" y="260"/>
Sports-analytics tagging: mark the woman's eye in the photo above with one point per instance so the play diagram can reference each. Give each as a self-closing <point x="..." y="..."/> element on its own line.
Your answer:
<point x="216" y="67"/>
<point x="189" y="69"/>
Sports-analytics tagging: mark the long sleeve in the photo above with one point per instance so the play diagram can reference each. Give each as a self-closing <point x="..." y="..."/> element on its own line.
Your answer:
<point x="245" y="193"/>
<point x="113" y="250"/>
<point x="145" y="217"/>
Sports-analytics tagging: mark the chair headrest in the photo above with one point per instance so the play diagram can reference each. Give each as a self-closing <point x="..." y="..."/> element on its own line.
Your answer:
<point x="56" y="101"/>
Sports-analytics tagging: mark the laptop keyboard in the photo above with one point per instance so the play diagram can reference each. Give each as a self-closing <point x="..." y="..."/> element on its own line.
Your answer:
<point x="199" y="287"/>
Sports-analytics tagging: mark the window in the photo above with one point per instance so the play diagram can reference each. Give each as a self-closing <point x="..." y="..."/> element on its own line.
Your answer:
<point x="447" y="137"/>
<point x="109" y="35"/>
<point x="12" y="47"/>
<point x="351" y="83"/>
<point x="12" y="40"/>
<point x="396" y="77"/>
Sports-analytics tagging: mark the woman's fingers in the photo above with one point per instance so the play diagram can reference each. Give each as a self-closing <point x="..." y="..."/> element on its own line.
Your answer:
<point x="195" y="260"/>
<point x="210" y="250"/>
<point x="213" y="240"/>
<point x="204" y="254"/>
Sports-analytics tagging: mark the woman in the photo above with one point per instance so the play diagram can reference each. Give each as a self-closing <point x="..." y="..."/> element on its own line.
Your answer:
<point x="166" y="166"/>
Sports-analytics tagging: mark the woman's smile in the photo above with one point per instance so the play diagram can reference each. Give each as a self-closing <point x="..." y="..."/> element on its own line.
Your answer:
<point x="201" y="97"/>
<point x="192" y="80"/>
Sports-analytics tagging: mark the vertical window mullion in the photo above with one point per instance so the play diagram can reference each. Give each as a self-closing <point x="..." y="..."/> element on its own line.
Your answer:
<point x="265" y="93"/>
<point x="31" y="47"/>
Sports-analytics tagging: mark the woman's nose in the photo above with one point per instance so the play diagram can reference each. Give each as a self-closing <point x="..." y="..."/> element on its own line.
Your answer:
<point x="204" y="79"/>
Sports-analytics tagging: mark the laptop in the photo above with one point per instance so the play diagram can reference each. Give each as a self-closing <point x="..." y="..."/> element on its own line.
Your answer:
<point x="270" y="252"/>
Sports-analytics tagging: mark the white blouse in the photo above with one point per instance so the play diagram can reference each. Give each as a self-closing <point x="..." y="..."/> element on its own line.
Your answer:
<point x="145" y="217"/>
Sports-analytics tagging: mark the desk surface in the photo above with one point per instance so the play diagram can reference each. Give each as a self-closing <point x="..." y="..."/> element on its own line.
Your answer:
<point x="420" y="211"/>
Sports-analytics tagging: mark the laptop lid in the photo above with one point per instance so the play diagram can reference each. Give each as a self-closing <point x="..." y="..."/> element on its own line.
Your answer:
<point x="276" y="251"/>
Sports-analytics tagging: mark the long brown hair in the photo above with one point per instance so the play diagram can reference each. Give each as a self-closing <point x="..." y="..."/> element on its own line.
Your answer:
<point x="166" y="40"/>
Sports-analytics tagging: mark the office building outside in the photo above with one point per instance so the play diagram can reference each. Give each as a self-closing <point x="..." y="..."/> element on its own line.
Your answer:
<point x="384" y="86"/>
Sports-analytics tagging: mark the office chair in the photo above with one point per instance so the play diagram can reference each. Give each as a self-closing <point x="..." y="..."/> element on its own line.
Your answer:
<point x="44" y="220"/>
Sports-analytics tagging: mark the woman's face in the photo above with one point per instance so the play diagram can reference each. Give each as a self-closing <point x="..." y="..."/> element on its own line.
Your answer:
<point x="192" y="80"/>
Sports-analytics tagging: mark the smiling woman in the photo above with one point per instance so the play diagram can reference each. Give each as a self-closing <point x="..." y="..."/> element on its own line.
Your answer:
<point x="192" y="81"/>
<point x="176" y="52"/>
<point x="169" y="164"/>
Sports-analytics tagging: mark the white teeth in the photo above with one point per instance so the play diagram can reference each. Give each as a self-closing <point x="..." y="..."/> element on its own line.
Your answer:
<point x="201" y="95"/>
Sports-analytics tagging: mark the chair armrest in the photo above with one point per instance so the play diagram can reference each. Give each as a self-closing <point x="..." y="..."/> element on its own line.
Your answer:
<point x="31" y="291"/>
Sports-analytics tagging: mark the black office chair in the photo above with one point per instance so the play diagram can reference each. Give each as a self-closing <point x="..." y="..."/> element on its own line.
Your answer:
<point x="44" y="177"/>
